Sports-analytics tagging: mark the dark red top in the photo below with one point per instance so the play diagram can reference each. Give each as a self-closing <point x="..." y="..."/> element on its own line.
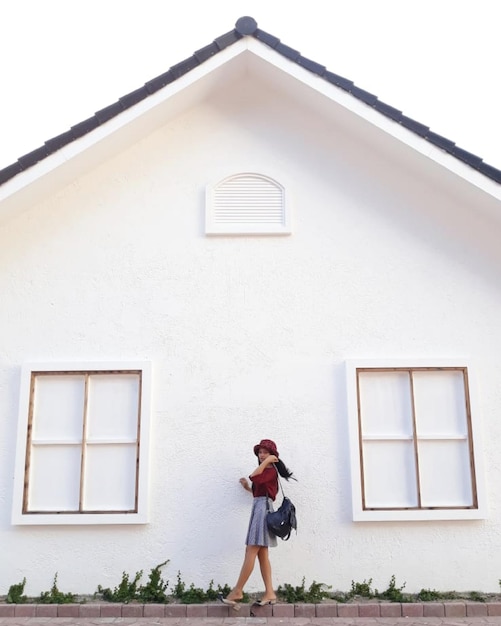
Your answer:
<point x="265" y="484"/>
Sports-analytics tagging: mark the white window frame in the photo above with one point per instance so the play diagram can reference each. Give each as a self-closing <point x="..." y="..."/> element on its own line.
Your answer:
<point x="356" y="453"/>
<point x="140" y="513"/>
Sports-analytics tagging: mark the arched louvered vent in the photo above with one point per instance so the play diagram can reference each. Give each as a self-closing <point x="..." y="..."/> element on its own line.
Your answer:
<point x="246" y="204"/>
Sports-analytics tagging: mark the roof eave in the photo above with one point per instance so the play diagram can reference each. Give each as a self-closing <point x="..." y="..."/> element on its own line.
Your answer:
<point x="104" y="128"/>
<point x="117" y="132"/>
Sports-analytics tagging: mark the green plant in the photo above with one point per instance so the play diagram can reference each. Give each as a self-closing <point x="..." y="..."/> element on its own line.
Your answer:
<point x="15" y="593"/>
<point x="190" y="595"/>
<point x="193" y="595"/>
<point x="196" y="595"/>
<point x="340" y="596"/>
<point x="213" y="594"/>
<point x="476" y="596"/>
<point x="363" y="589"/>
<point x="125" y="592"/>
<point x="317" y="592"/>
<point x="154" y="590"/>
<point x="179" y="587"/>
<point x="393" y="593"/>
<point x="313" y="595"/>
<point x="54" y="596"/>
<point x="429" y="595"/>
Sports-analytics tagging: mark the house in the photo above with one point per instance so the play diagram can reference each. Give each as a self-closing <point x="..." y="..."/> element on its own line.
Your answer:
<point x="250" y="246"/>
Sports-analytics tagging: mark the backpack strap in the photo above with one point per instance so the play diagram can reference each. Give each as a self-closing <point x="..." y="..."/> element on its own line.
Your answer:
<point x="279" y="481"/>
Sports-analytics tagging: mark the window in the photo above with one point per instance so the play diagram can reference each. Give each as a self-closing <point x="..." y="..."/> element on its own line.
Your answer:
<point x="82" y="445"/>
<point x="415" y="451"/>
<point x="246" y="204"/>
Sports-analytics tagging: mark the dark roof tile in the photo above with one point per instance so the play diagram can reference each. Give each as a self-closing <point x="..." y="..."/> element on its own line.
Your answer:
<point x="81" y="129"/>
<point x="264" y="37"/>
<point x="439" y="141"/>
<point x="287" y="52"/>
<point x="10" y="171"/>
<point x="159" y="82"/>
<point x="103" y="115"/>
<point x="227" y="39"/>
<point x="30" y="159"/>
<point x="310" y="65"/>
<point x="387" y="110"/>
<point x="492" y="172"/>
<point x="416" y="127"/>
<point x="134" y="97"/>
<point x="182" y="68"/>
<point x="365" y="96"/>
<point x="339" y="81"/>
<point x="206" y="52"/>
<point x="466" y="156"/>
<point x="245" y="26"/>
<point x="54" y="144"/>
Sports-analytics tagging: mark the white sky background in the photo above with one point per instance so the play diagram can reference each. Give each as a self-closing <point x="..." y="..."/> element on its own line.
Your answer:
<point x="436" y="60"/>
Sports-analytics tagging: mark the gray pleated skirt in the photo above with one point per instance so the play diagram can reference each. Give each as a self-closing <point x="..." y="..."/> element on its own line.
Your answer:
<point x="258" y="534"/>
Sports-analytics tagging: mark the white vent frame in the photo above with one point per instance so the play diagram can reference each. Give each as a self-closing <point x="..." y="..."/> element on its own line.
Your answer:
<point x="247" y="203"/>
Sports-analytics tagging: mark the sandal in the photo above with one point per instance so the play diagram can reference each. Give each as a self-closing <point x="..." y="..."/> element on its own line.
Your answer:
<point x="235" y="604"/>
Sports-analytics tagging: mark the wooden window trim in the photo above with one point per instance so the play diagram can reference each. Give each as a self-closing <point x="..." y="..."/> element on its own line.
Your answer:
<point x="21" y="513"/>
<point x="415" y="438"/>
<point x="478" y="507"/>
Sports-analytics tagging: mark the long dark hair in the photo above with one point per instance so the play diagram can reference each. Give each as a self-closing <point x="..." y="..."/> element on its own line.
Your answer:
<point x="283" y="470"/>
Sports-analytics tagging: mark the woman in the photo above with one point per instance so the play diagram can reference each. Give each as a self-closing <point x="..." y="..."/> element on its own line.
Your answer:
<point x="264" y="485"/>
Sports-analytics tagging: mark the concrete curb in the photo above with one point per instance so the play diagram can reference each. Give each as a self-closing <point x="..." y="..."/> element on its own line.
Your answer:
<point x="284" y="611"/>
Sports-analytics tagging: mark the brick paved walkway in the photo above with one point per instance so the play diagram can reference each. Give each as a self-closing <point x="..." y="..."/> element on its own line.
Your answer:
<point x="251" y="621"/>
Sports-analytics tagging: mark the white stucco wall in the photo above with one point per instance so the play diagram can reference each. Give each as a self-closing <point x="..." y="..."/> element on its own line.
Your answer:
<point x="248" y="337"/>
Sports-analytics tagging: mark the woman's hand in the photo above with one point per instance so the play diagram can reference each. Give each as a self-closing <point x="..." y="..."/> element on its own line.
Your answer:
<point x="271" y="459"/>
<point x="245" y="484"/>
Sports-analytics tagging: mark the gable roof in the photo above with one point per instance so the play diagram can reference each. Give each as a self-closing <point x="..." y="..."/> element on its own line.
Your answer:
<point x="245" y="26"/>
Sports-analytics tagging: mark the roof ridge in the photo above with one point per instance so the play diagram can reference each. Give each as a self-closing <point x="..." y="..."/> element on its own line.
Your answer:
<point x="245" y="26"/>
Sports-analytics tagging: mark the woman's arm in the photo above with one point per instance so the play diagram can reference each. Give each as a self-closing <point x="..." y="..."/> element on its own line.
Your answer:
<point x="262" y="466"/>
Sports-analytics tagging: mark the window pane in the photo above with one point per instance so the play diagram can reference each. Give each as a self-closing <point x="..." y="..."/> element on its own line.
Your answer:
<point x="440" y="403"/>
<point x="110" y="477"/>
<point x="54" y="478"/>
<point x="444" y="467"/>
<point x="113" y="406"/>
<point x="385" y="403"/>
<point x="58" y="408"/>
<point x="389" y="474"/>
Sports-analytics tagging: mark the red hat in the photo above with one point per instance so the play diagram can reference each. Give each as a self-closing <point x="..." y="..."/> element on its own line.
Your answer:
<point x="268" y="444"/>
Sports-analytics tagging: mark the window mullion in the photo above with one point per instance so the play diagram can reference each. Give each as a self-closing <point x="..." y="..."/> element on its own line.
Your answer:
<point x="84" y="442"/>
<point x="414" y="437"/>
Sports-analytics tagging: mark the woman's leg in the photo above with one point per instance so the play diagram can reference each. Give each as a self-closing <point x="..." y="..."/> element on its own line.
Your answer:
<point x="265" y="565"/>
<point x="250" y="558"/>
